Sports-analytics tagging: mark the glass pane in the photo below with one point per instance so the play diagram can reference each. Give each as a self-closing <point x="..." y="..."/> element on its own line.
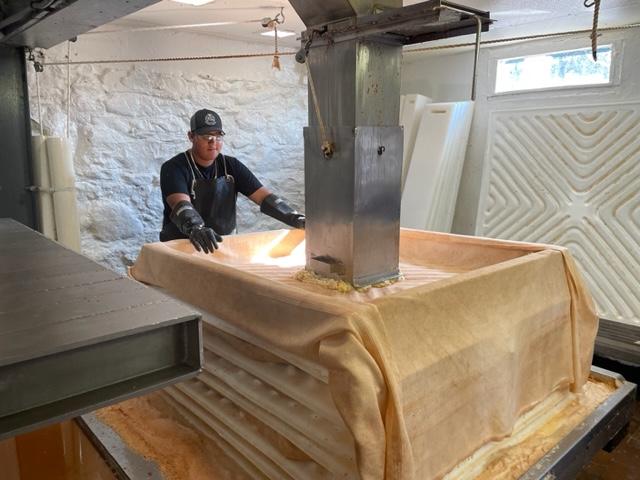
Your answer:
<point x="558" y="69"/>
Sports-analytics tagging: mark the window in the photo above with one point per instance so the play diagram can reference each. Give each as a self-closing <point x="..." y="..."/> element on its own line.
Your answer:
<point x="553" y="70"/>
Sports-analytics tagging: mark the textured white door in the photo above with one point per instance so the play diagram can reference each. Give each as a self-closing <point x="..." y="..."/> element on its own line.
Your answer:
<point x="570" y="176"/>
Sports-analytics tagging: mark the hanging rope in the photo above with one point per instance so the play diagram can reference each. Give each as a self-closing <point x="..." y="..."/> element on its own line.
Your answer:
<point x="517" y="39"/>
<point x="594" y="29"/>
<point x="39" y="105"/>
<point x="40" y="66"/>
<point x="327" y="149"/>
<point x="276" y="57"/>
<point x="32" y="58"/>
<point x="69" y="90"/>
<point x="168" y="59"/>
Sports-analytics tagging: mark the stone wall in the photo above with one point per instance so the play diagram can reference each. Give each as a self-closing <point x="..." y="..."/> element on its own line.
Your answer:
<point x="125" y="119"/>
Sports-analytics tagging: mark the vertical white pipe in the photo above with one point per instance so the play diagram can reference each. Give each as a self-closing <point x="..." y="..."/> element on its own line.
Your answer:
<point x="64" y="197"/>
<point x="44" y="196"/>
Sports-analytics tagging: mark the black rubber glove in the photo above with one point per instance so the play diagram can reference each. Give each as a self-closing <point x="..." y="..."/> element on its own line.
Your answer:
<point x="189" y="222"/>
<point x="277" y="208"/>
<point x="204" y="238"/>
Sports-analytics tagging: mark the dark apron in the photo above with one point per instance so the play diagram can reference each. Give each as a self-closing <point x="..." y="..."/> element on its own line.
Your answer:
<point x="214" y="199"/>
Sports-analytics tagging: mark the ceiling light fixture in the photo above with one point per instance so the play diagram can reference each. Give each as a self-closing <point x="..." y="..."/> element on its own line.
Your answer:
<point x="195" y="3"/>
<point x="281" y="33"/>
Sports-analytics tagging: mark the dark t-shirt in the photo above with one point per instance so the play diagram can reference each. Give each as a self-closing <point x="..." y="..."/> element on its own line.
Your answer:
<point x="176" y="177"/>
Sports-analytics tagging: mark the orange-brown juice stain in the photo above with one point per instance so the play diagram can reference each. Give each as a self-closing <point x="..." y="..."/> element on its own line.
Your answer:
<point x="56" y="452"/>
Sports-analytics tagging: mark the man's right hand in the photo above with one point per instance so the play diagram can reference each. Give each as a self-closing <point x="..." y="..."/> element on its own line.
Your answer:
<point x="204" y="239"/>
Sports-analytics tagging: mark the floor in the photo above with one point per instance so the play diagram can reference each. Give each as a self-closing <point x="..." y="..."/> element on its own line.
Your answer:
<point x="623" y="463"/>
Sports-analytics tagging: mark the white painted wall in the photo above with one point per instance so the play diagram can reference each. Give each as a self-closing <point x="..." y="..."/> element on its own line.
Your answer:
<point x="446" y="76"/>
<point x="126" y="119"/>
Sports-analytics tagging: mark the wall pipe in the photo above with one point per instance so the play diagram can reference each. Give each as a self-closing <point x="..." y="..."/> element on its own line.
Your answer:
<point x="475" y="60"/>
<point x="474" y="80"/>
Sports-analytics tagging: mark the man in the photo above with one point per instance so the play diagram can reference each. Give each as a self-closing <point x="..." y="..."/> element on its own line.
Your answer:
<point x="200" y="187"/>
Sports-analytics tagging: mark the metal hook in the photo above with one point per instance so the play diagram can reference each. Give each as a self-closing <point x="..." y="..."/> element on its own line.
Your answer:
<point x="267" y="21"/>
<point x="32" y="58"/>
<point x="281" y="14"/>
<point x="589" y="5"/>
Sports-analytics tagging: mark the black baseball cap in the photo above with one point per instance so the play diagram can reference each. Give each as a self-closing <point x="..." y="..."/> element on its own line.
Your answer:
<point x="205" y="121"/>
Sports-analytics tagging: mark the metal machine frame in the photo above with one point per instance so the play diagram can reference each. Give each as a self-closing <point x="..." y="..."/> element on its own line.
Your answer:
<point x="75" y="336"/>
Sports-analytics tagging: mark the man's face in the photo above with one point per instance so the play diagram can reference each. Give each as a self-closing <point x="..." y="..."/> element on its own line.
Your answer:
<point x="207" y="146"/>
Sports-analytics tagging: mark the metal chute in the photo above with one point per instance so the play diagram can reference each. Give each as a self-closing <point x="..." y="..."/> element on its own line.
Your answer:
<point x="353" y="144"/>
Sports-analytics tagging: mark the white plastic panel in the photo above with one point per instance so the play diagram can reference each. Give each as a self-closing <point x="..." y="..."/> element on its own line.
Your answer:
<point x="65" y="204"/>
<point x="239" y="390"/>
<point x="411" y="109"/>
<point x="569" y="176"/>
<point x="42" y="177"/>
<point x="433" y="177"/>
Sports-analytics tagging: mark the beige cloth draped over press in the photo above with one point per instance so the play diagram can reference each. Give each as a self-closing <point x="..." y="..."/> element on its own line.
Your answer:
<point x="425" y="371"/>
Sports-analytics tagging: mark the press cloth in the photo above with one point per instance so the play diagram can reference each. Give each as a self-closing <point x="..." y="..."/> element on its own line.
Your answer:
<point x="424" y="371"/>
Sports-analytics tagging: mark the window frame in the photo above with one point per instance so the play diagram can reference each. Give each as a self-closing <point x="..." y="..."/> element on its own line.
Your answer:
<point x="538" y="49"/>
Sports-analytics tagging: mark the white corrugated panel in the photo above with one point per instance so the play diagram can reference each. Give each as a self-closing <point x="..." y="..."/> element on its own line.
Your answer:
<point x="568" y="176"/>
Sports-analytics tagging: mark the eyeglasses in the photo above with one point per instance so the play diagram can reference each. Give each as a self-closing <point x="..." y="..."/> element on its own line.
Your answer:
<point x="210" y="138"/>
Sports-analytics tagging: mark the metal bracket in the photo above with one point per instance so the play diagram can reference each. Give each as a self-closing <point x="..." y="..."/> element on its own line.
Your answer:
<point x="327" y="265"/>
<point x="36" y="65"/>
<point x="422" y="22"/>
